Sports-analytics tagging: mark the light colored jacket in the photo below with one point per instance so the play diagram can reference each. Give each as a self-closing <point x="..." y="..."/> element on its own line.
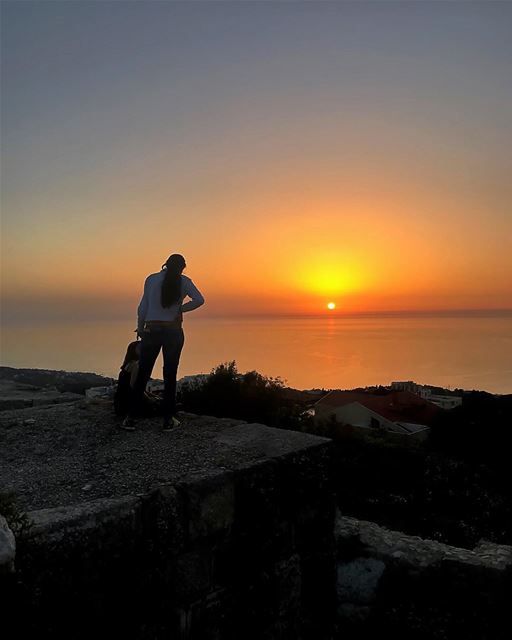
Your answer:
<point x="150" y="307"/>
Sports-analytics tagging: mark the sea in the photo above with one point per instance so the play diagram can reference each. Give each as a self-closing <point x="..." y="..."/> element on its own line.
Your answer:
<point x="467" y="352"/>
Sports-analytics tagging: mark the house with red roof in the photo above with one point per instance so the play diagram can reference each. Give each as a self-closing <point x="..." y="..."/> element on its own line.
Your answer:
<point x="398" y="412"/>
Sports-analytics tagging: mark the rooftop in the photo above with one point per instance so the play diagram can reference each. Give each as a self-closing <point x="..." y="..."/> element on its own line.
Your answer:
<point x="397" y="406"/>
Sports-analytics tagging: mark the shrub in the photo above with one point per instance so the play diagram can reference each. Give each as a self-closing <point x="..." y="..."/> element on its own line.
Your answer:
<point x="247" y="396"/>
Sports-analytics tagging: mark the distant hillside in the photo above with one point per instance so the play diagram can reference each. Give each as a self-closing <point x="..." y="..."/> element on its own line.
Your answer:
<point x="63" y="381"/>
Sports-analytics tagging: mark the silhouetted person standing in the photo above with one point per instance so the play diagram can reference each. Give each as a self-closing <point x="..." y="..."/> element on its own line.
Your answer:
<point x="160" y="316"/>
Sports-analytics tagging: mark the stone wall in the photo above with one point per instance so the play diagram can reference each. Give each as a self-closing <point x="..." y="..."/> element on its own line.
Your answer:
<point x="245" y="552"/>
<point x="390" y="583"/>
<point x="7" y="548"/>
<point x="247" y="548"/>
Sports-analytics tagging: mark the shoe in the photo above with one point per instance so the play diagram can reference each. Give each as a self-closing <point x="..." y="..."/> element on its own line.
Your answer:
<point x="170" y="424"/>
<point x="128" y="424"/>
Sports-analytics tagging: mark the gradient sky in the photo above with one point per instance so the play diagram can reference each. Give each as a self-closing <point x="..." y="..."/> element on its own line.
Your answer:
<point x="295" y="153"/>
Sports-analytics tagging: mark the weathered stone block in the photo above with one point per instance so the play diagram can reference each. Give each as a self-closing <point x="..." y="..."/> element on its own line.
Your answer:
<point x="289" y="583"/>
<point x="318" y="598"/>
<point x="354" y="613"/>
<point x="164" y="517"/>
<point x="211" y="506"/>
<point x="262" y="522"/>
<point x="209" y="618"/>
<point x="193" y="574"/>
<point x="211" y="555"/>
<point x="7" y="547"/>
<point x="427" y="589"/>
<point x="357" y="580"/>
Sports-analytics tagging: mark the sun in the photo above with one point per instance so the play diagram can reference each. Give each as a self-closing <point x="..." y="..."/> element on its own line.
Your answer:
<point x="331" y="305"/>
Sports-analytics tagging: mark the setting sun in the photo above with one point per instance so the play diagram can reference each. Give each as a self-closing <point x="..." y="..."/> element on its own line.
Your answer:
<point x="331" y="305"/>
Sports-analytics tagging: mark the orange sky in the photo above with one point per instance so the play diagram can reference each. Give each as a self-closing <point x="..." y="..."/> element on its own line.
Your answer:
<point x="296" y="240"/>
<point x="373" y="173"/>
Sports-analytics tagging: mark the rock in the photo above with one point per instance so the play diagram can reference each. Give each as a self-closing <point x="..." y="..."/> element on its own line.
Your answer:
<point x="356" y="614"/>
<point x="20" y="396"/>
<point x="358" y="579"/>
<point x="211" y="506"/>
<point x="97" y="394"/>
<point x="7" y="547"/>
<point x="8" y="403"/>
<point x="48" y="380"/>
<point x="192" y="382"/>
<point x="87" y="487"/>
<point x="29" y="421"/>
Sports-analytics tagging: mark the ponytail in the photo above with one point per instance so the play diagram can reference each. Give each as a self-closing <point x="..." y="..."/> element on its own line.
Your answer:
<point x="171" y="285"/>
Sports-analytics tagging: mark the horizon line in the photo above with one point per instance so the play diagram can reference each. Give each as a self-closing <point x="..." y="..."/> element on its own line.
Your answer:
<point x="373" y="313"/>
<point x="67" y="318"/>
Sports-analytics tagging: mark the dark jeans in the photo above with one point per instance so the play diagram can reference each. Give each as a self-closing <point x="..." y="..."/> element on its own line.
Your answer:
<point x="170" y="340"/>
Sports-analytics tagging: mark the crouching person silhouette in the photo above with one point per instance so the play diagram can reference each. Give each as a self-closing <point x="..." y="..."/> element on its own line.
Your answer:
<point x="151" y="404"/>
<point x="159" y="325"/>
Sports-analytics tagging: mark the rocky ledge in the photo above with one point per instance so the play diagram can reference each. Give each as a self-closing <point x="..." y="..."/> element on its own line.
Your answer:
<point x="62" y="454"/>
<point x="21" y="388"/>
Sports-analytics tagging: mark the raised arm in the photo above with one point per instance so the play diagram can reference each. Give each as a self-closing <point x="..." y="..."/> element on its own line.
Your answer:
<point x="196" y="297"/>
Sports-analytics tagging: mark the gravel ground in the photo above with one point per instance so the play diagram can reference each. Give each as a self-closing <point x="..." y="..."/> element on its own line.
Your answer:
<point x="63" y="454"/>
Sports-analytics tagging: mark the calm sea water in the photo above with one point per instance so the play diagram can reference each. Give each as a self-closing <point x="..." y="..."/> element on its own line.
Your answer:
<point x="472" y="353"/>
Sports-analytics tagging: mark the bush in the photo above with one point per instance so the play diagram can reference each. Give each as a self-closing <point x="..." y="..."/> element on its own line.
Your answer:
<point x="246" y="396"/>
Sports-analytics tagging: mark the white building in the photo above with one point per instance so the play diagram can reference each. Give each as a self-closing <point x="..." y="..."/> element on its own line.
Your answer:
<point x="193" y="381"/>
<point x="399" y="412"/>
<point x="424" y="391"/>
